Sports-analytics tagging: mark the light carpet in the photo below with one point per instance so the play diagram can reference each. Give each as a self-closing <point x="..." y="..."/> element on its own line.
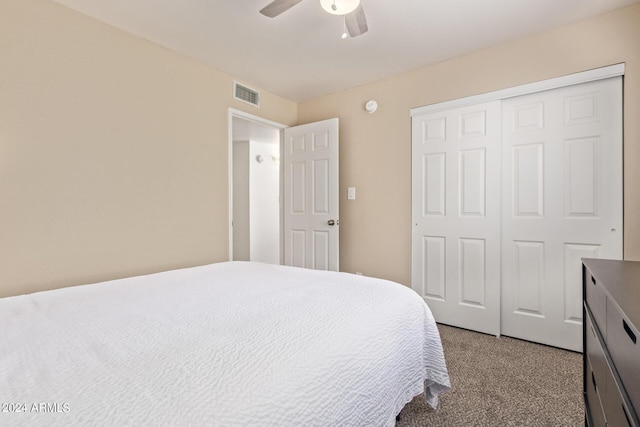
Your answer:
<point x="502" y="382"/>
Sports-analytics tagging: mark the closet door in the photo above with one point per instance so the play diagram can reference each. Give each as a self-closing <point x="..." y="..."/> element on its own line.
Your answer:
<point x="562" y="200"/>
<point x="456" y="215"/>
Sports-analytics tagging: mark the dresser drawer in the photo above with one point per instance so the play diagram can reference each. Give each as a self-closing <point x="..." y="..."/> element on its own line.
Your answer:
<point x="595" y="352"/>
<point x="622" y="343"/>
<point x="593" y="397"/>
<point x="617" y="412"/>
<point x="596" y="298"/>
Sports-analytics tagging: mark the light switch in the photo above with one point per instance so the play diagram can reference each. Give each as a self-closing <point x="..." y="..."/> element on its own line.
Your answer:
<point x="351" y="193"/>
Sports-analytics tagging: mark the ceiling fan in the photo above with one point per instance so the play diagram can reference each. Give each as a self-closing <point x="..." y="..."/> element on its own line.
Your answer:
<point x="354" y="19"/>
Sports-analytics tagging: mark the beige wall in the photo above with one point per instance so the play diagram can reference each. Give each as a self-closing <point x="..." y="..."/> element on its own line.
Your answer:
<point x="375" y="150"/>
<point x="113" y="152"/>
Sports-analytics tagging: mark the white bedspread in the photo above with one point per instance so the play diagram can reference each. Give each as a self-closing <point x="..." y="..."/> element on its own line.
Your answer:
<point x="229" y="344"/>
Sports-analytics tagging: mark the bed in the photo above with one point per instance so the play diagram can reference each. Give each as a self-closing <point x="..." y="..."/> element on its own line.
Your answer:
<point x="225" y="344"/>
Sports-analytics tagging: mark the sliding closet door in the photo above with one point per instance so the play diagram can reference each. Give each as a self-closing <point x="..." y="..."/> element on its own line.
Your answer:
<point x="562" y="200"/>
<point x="456" y="215"/>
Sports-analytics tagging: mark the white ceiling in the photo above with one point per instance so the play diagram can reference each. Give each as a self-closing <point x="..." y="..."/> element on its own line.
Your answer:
<point x="299" y="55"/>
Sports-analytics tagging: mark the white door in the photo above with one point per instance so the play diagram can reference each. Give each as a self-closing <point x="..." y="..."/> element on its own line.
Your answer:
<point x="562" y="200"/>
<point x="456" y="215"/>
<point x="310" y="164"/>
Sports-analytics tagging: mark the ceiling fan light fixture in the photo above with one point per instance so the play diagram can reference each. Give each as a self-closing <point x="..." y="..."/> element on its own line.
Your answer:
<point x="339" y="7"/>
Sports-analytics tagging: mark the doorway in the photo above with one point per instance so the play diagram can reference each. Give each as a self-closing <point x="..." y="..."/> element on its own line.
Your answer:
<point x="305" y="195"/>
<point x="254" y="189"/>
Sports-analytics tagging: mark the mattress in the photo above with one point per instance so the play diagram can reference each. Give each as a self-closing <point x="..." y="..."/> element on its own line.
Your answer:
<point x="226" y="344"/>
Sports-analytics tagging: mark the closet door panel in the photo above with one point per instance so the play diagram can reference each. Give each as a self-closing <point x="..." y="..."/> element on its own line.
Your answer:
<point x="562" y="193"/>
<point x="456" y="215"/>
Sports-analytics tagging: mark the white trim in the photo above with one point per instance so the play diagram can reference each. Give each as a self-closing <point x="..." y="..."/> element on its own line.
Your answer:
<point x="568" y="80"/>
<point x="232" y="112"/>
<point x="247" y="116"/>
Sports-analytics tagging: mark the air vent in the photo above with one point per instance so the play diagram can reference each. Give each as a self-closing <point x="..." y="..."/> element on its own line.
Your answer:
<point x="246" y="94"/>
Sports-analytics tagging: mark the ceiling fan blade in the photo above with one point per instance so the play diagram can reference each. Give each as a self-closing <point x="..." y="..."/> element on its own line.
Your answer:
<point x="276" y="7"/>
<point x="356" y="22"/>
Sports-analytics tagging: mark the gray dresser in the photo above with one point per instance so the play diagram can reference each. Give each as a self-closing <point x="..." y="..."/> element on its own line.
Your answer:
<point x="611" y="291"/>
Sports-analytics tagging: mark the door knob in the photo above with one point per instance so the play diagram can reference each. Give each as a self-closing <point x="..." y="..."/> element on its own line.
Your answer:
<point x="331" y="222"/>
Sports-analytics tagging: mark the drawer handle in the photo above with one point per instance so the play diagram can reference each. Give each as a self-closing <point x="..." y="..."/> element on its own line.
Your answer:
<point x="593" y="380"/>
<point x="593" y="280"/>
<point x="628" y="330"/>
